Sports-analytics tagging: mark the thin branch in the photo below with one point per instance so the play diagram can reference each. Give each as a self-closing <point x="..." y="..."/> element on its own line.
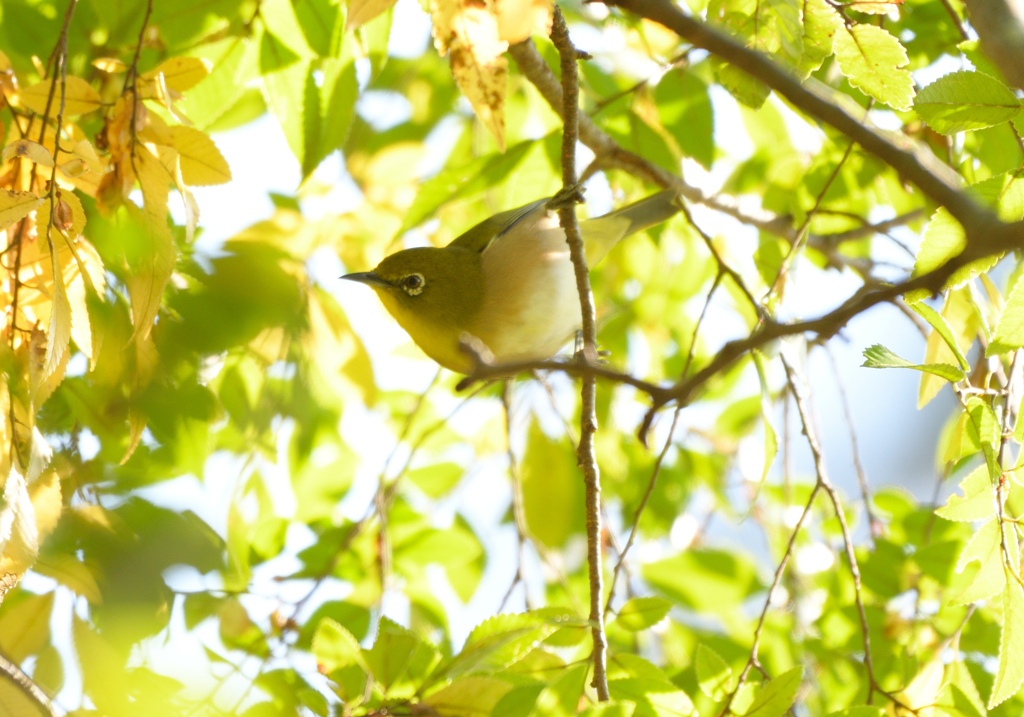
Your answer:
<point x="27" y="687"/>
<point x="875" y="526"/>
<point x="586" y="456"/>
<point x="797" y="387"/>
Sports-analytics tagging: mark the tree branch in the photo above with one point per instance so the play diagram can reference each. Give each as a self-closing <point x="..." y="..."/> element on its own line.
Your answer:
<point x="921" y="168"/>
<point x="585" y="454"/>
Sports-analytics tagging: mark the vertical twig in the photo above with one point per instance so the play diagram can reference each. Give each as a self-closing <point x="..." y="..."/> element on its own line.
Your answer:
<point x="518" y="512"/>
<point x="586" y="457"/>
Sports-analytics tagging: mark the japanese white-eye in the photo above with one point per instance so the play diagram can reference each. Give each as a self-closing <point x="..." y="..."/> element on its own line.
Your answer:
<point x="508" y="281"/>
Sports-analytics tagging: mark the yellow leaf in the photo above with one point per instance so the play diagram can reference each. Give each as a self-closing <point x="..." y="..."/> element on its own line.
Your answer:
<point x="519" y="19"/>
<point x="15" y="206"/>
<point x="137" y="424"/>
<point x="468" y="32"/>
<point x="86" y="276"/>
<point x="33" y="151"/>
<point x="25" y="626"/>
<point x="109" y="65"/>
<point x="84" y="150"/>
<point x="181" y="73"/>
<point x="58" y="335"/>
<point x="71" y="573"/>
<point x="189" y="200"/>
<point x="72" y="225"/>
<point x="79" y="97"/>
<point x="361" y="12"/>
<point x="149" y="277"/>
<point x="201" y="162"/>
<point x="19" y="537"/>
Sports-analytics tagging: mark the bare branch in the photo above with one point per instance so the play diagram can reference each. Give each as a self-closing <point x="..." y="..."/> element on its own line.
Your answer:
<point x="585" y="455"/>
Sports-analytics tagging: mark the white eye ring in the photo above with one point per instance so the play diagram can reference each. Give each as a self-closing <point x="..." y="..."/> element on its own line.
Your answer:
<point x="413" y="284"/>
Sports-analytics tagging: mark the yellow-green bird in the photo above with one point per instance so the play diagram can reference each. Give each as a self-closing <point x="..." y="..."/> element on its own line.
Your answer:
<point x="508" y="281"/>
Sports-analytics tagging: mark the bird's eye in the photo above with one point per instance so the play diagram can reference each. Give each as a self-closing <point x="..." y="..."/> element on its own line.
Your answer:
<point x="413" y="284"/>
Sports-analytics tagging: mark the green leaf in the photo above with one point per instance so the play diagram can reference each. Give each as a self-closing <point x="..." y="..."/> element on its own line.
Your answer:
<point x="642" y="612"/>
<point x="716" y="581"/>
<point x="1010" y="673"/>
<point x="562" y="697"/>
<point x="859" y="711"/>
<point x="468" y="697"/>
<point x="25" y="626"/>
<point x="776" y="697"/>
<point x="335" y="647"/>
<point x="686" y="111"/>
<point x="942" y="327"/>
<point x="878" y="356"/>
<point x="436" y="480"/>
<point x="610" y="709"/>
<point x="551" y="487"/>
<point x="633" y="678"/>
<point x="965" y="100"/>
<point x="821" y="22"/>
<point x="399" y="660"/>
<point x="713" y="674"/>
<point x="944" y="238"/>
<point x="978" y="501"/>
<point x="1009" y="333"/>
<point x="872" y="60"/>
<point x="985" y="547"/>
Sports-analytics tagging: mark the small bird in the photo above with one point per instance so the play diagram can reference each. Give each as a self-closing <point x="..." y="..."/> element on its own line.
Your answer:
<point x="508" y="281"/>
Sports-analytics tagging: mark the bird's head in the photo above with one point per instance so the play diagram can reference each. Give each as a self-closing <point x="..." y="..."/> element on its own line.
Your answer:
<point x="433" y="293"/>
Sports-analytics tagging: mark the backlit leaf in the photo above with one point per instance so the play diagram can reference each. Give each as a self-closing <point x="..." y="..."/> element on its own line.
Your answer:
<point x="985" y="547"/>
<point x="978" y="501"/>
<point x="966" y="100"/>
<point x="1010" y="672"/>
<point x="32" y="151"/>
<point x="79" y="97"/>
<point x="776" y="697"/>
<point x="641" y="613"/>
<point x="873" y="61"/>
<point x="361" y="12"/>
<point x="15" y="206"/>
<point x="202" y="164"/>
<point x="181" y="73"/>
<point x="713" y="674"/>
<point x="878" y="356"/>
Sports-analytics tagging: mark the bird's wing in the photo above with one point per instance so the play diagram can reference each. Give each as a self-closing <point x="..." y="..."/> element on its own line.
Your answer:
<point x="600" y="234"/>
<point x="480" y="237"/>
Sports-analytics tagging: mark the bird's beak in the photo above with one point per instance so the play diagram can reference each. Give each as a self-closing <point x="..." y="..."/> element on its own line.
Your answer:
<point x="370" y="278"/>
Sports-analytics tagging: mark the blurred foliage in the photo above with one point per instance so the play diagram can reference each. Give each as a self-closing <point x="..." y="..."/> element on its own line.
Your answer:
<point x="338" y="496"/>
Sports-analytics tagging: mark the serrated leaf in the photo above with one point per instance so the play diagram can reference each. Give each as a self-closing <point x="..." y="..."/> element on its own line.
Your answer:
<point x="79" y="97"/>
<point x="965" y="100"/>
<point x="878" y="356"/>
<point x="1009" y="333"/>
<point x="961" y="315"/>
<point x="821" y="22"/>
<point x="202" y="164"/>
<point x="978" y="501"/>
<point x="181" y="73"/>
<point x="873" y="61"/>
<point x="1010" y="673"/>
<point x="58" y="334"/>
<point x="776" y="697"/>
<point x="15" y="206"/>
<point x="642" y="612"/>
<point x="713" y="674"/>
<point x="468" y="697"/>
<point x="944" y="237"/>
<point x="334" y="647"/>
<point x="985" y="547"/>
<point x="32" y="151"/>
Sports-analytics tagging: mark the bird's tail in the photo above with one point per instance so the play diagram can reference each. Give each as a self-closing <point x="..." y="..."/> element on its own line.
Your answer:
<point x="600" y="234"/>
